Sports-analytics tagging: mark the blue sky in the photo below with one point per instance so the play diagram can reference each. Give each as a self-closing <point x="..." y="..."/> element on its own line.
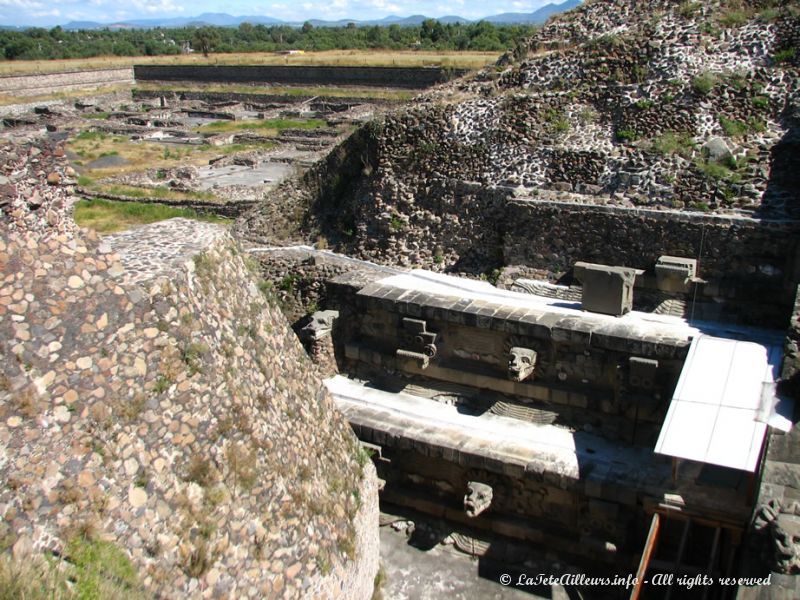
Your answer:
<point x="52" y="12"/>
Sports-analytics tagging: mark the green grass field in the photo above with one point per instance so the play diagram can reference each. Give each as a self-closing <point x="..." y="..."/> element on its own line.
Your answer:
<point x="105" y="216"/>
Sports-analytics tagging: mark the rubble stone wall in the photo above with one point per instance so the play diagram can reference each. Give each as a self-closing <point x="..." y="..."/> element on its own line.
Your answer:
<point x="746" y="260"/>
<point x="356" y="579"/>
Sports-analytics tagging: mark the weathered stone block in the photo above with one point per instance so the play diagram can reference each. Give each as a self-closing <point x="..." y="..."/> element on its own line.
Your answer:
<point x="607" y="290"/>
<point x="642" y="372"/>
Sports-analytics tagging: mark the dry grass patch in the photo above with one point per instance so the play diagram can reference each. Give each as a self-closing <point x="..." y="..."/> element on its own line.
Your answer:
<point x="6" y="99"/>
<point x="136" y="156"/>
<point x="339" y="58"/>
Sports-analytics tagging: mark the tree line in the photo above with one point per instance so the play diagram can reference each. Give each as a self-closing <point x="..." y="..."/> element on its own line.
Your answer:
<point x="55" y="43"/>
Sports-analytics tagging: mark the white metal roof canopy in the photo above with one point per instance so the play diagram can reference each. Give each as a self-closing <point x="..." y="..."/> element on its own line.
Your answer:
<point x="724" y="396"/>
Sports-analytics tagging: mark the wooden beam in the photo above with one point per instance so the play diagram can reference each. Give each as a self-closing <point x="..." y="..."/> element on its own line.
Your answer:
<point x="647" y="554"/>
<point x="707" y="518"/>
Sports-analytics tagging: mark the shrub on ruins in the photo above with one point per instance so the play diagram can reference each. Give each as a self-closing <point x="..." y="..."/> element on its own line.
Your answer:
<point x="704" y="83"/>
<point x="673" y="142"/>
<point x="784" y="56"/>
<point x="732" y="127"/>
<point x="689" y="9"/>
<point x="557" y="121"/>
<point x="735" y="18"/>
<point x="719" y="171"/>
<point x="626" y="134"/>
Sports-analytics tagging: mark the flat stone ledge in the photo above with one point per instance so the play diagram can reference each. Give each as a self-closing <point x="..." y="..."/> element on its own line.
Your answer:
<point x="160" y="249"/>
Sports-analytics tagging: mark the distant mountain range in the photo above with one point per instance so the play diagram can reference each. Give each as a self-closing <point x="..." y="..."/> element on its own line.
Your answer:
<point x="225" y="20"/>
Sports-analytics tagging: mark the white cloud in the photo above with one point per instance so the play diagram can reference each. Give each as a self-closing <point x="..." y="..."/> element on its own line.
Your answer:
<point x="54" y="12"/>
<point x="157" y="6"/>
<point x="23" y="4"/>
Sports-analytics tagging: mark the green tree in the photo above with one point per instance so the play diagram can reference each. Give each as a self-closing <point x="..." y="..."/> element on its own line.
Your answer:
<point x="204" y="39"/>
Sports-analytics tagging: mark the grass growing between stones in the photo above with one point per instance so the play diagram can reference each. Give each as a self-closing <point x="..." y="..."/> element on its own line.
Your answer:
<point x="378" y="583"/>
<point x="102" y="571"/>
<point x="131" y="191"/>
<point x="105" y="216"/>
<point x="276" y="125"/>
<point x="673" y="142"/>
<point x="89" y="146"/>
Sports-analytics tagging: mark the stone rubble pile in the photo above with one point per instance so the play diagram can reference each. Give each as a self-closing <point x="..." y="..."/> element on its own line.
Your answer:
<point x="26" y="205"/>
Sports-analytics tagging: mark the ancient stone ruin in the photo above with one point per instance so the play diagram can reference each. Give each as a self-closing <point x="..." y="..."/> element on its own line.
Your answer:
<point x="617" y="391"/>
<point x="547" y="314"/>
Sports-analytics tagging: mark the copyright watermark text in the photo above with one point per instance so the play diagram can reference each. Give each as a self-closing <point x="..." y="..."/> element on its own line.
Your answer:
<point x="628" y="581"/>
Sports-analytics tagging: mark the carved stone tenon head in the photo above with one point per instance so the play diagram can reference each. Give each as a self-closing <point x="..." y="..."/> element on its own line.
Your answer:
<point x="521" y="363"/>
<point x="478" y="498"/>
<point x="786" y="543"/>
<point x="321" y="324"/>
<point x="782" y="521"/>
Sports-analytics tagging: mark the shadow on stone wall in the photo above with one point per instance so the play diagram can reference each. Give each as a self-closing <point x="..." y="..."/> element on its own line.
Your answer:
<point x="782" y="196"/>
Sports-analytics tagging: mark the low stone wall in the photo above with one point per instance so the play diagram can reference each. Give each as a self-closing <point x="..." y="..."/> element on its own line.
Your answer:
<point x="396" y="77"/>
<point x="59" y="82"/>
<point x="242" y="97"/>
<point x="223" y="209"/>
<point x="753" y="263"/>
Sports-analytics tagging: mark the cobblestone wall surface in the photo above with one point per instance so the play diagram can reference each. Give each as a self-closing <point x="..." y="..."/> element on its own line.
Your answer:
<point x="150" y="393"/>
